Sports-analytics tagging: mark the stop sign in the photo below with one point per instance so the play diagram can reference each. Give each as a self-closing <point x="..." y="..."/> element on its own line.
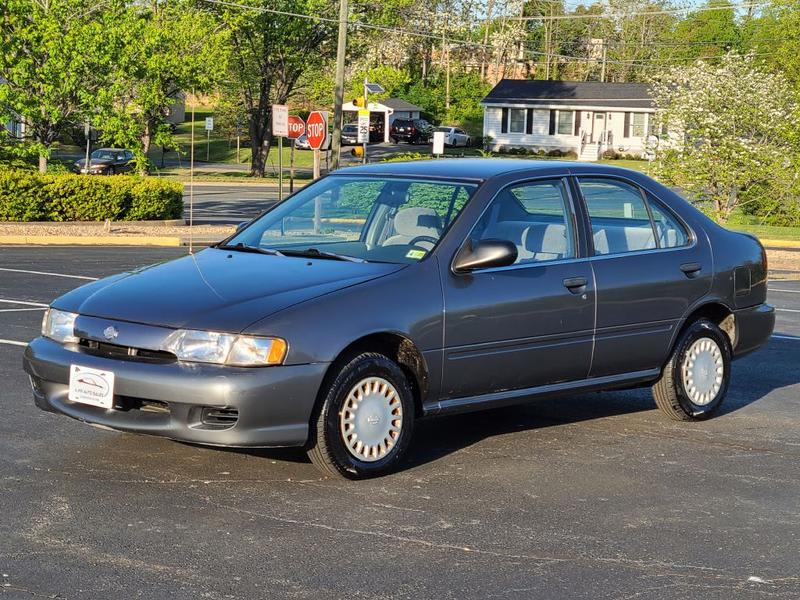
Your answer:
<point x="316" y="129"/>
<point x="297" y="127"/>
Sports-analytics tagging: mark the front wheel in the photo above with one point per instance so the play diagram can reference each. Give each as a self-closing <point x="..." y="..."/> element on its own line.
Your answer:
<point x="696" y="378"/>
<point x="366" y="419"/>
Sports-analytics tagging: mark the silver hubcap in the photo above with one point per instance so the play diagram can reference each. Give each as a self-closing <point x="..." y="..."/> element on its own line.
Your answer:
<point x="703" y="370"/>
<point x="371" y="419"/>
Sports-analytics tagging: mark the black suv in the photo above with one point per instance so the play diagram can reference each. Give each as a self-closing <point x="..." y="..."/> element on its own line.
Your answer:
<point x="413" y="131"/>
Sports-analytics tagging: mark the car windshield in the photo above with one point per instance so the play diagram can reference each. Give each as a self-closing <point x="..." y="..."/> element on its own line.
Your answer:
<point x="380" y="219"/>
<point x="445" y="129"/>
<point x="104" y="154"/>
<point x="350" y="128"/>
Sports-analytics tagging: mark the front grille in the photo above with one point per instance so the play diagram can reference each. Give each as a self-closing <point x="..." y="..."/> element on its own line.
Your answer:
<point x="126" y="352"/>
<point x="129" y="403"/>
<point x="220" y="418"/>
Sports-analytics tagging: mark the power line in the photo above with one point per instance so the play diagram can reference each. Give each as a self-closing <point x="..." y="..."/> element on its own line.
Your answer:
<point x="433" y="36"/>
<point x="612" y="13"/>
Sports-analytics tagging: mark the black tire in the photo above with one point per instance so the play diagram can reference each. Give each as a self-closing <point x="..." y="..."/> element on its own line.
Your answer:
<point x="670" y="391"/>
<point x="327" y="448"/>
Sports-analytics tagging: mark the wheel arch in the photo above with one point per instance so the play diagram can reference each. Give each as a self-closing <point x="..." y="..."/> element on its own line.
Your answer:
<point x="716" y="311"/>
<point x="396" y="346"/>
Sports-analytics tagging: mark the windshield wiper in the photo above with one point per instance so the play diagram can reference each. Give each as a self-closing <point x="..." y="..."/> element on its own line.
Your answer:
<point x="317" y="253"/>
<point x="240" y="247"/>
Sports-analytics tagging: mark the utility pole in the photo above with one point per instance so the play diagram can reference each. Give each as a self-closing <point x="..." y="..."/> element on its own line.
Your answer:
<point x="603" y="68"/>
<point x="341" y="50"/>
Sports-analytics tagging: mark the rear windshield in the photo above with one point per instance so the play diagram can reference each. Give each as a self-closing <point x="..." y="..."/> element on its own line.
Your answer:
<point x="381" y="219"/>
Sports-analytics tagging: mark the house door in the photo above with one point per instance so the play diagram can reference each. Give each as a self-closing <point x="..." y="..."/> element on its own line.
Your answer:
<point x="598" y="126"/>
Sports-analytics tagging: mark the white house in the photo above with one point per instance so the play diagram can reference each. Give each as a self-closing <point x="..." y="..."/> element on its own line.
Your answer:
<point x="383" y="113"/>
<point x="585" y="117"/>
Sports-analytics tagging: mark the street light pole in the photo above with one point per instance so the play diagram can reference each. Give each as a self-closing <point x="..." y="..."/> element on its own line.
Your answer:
<point x="341" y="50"/>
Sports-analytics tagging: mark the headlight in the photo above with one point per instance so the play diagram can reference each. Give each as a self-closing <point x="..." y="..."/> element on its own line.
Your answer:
<point x="59" y="325"/>
<point x="225" y="348"/>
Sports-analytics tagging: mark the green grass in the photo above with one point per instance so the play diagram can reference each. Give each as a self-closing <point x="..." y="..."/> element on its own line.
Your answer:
<point x="768" y="232"/>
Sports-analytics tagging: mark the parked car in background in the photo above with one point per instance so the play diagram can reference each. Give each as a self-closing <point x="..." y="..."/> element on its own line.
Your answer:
<point x="413" y="131"/>
<point x="455" y="136"/>
<point x="301" y="143"/>
<point x="350" y="134"/>
<point x="388" y="292"/>
<point x="106" y="161"/>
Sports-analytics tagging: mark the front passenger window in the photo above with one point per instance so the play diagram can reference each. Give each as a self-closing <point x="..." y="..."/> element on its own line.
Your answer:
<point x="535" y="216"/>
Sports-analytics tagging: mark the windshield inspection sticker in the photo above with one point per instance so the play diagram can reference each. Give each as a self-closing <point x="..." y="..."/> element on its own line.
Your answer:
<point x="416" y="254"/>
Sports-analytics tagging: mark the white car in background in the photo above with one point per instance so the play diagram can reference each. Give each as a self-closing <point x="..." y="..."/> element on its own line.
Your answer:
<point x="455" y="136"/>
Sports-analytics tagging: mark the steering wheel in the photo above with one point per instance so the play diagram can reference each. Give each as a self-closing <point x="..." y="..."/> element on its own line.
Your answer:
<point x="423" y="238"/>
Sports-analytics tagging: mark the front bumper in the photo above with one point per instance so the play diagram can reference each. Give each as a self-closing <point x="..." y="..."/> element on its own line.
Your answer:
<point x="273" y="404"/>
<point x="754" y="326"/>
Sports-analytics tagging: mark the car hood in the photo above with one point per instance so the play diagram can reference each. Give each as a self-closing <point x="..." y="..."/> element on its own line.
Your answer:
<point x="216" y="289"/>
<point x="94" y="162"/>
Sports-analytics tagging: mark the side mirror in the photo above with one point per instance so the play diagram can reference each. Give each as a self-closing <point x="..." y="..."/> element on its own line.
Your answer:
<point x="485" y="254"/>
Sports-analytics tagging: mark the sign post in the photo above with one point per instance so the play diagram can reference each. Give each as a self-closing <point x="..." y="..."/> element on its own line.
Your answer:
<point x="280" y="128"/>
<point x="87" y="130"/>
<point x="316" y="133"/>
<point x="209" y="129"/>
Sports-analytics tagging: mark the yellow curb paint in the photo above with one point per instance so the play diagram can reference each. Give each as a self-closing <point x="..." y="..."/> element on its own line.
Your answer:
<point x="777" y="244"/>
<point x="78" y="240"/>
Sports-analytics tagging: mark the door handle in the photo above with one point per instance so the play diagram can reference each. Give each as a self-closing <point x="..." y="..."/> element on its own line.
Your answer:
<point x="576" y="285"/>
<point x="691" y="269"/>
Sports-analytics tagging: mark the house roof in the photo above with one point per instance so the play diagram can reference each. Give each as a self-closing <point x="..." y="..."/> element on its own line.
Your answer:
<point x="568" y="93"/>
<point x="398" y="104"/>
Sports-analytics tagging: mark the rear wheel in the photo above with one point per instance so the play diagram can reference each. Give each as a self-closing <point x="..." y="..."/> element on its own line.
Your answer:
<point x="366" y="419"/>
<point x="696" y="378"/>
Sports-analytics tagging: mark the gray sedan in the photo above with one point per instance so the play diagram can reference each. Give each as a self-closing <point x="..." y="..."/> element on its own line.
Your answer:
<point x="385" y="293"/>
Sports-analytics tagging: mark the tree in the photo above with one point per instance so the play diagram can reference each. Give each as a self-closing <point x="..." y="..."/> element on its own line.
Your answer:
<point x="729" y="131"/>
<point x="56" y="60"/>
<point x="172" y="48"/>
<point x="270" y="51"/>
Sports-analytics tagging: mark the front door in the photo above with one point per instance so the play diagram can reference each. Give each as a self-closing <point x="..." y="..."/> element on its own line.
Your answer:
<point x="598" y="126"/>
<point x="528" y="324"/>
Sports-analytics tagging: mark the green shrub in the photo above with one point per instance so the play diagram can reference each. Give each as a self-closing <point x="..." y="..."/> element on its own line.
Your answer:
<point x="28" y="196"/>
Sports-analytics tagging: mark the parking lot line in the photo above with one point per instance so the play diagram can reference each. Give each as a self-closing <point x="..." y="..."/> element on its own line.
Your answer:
<point x="51" y="274"/>
<point x="785" y="337"/>
<point x="792" y="310"/>
<point x="23" y="302"/>
<point x="13" y="343"/>
<point x="5" y="310"/>
<point x="784" y="291"/>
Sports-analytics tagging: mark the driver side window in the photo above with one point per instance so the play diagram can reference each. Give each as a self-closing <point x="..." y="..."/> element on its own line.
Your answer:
<point x="535" y="216"/>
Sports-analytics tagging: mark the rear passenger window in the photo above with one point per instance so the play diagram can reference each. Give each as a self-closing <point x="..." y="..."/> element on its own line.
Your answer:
<point x="671" y="233"/>
<point x="534" y="216"/>
<point x="620" y="221"/>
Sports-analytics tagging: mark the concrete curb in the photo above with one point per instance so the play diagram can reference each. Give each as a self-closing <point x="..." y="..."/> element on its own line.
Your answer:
<point x="89" y="240"/>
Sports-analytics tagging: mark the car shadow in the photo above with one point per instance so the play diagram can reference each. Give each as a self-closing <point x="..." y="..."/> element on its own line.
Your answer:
<point x="754" y="377"/>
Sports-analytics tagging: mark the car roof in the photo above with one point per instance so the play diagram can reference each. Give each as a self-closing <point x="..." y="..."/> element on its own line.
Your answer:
<point x="475" y="168"/>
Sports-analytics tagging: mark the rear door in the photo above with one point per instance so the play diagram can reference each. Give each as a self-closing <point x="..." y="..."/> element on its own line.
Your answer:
<point x="528" y="324"/>
<point x="649" y="268"/>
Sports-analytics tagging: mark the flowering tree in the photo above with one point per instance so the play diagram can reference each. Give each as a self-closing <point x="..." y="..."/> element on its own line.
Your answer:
<point x="730" y="131"/>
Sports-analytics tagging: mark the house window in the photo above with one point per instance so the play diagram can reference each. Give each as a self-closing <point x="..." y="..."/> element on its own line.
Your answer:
<point x="516" y="120"/>
<point x="637" y="124"/>
<point x="566" y="120"/>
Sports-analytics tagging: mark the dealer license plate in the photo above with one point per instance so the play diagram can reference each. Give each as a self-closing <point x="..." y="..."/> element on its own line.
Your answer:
<point x="91" y="386"/>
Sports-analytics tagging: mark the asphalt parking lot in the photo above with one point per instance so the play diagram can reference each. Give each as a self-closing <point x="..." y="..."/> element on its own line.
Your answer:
<point x="592" y="496"/>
